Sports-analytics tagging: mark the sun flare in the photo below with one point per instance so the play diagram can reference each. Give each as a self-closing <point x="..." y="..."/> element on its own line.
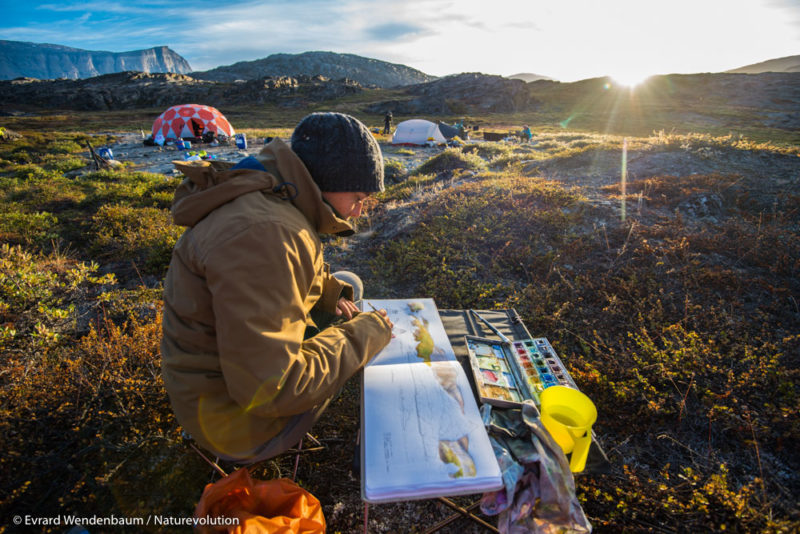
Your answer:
<point x="630" y="78"/>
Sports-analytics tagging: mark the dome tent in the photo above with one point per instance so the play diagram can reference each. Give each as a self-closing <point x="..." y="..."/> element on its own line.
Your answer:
<point x="191" y="120"/>
<point x="417" y="132"/>
<point x="452" y="131"/>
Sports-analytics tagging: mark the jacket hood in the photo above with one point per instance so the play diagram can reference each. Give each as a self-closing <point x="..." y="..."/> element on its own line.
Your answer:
<point x="210" y="184"/>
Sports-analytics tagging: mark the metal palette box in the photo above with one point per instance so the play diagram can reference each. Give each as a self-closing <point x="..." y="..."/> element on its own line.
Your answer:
<point x="507" y="373"/>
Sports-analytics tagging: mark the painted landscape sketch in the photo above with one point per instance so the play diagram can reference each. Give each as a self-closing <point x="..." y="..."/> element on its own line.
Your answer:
<point x="422" y="432"/>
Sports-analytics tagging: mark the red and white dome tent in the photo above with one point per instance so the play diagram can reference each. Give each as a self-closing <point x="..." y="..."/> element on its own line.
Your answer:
<point x="191" y="120"/>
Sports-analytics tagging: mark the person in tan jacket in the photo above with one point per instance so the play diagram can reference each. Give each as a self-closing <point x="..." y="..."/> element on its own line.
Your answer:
<point x="247" y="360"/>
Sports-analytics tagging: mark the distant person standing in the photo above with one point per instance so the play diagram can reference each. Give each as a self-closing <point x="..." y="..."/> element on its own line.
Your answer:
<point x="387" y="122"/>
<point x="526" y="134"/>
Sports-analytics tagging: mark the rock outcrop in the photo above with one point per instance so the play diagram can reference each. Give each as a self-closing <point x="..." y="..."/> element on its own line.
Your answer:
<point x="131" y="90"/>
<point x="48" y="61"/>
<point x="366" y="71"/>
<point x="462" y="93"/>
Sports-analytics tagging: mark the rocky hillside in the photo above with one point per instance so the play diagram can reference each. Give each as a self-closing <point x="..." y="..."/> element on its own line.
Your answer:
<point x="720" y="101"/>
<point x="131" y="90"/>
<point x="462" y="93"/>
<point x="366" y="71"/>
<point x="529" y="77"/>
<point x="783" y="64"/>
<point x="48" y="61"/>
<point x="770" y="99"/>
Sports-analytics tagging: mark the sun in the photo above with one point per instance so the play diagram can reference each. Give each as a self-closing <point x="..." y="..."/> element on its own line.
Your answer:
<point x="630" y="78"/>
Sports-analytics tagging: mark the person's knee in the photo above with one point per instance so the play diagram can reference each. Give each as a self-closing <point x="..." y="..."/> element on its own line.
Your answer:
<point x="354" y="280"/>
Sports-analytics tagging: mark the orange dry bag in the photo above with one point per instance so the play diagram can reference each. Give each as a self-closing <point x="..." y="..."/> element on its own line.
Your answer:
<point x="258" y="507"/>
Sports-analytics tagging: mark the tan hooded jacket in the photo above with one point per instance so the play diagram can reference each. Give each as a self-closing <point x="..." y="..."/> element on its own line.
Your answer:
<point x="237" y="297"/>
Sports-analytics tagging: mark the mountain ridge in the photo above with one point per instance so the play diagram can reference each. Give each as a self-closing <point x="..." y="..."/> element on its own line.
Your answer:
<point x="20" y="59"/>
<point x="334" y="65"/>
<point x="530" y="77"/>
<point x="781" y="64"/>
<point x="23" y="59"/>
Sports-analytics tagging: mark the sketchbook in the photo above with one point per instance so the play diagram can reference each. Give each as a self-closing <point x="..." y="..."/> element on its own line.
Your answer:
<point x="422" y="433"/>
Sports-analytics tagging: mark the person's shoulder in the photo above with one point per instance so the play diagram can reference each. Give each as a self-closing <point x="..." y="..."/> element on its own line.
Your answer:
<point x="256" y="212"/>
<point x="259" y="208"/>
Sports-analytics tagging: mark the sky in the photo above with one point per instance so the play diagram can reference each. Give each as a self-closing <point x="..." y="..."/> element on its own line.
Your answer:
<point x="567" y="40"/>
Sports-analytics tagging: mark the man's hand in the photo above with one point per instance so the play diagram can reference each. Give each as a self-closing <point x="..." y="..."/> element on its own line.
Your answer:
<point x="385" y="316"/>
<point x="346" y="307"/>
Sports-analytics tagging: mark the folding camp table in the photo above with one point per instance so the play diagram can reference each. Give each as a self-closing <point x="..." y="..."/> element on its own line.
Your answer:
<point x="460" y="323"/>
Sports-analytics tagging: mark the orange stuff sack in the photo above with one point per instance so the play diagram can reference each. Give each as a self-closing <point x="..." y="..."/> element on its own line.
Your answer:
<point x="261" y="507"/>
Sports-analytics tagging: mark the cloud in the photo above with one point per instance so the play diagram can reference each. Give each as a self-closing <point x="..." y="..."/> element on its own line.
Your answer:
<point x="67" y="7"/>
<point x="566" y="40"/>
<point x="790" y="9"/>
<point x="786" y="4"/>
<point x="394" y="31"/>
<point x="525" y="25"/>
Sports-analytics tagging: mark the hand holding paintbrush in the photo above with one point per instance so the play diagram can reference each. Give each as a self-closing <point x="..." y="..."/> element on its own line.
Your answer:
<point x="383" y="314"/>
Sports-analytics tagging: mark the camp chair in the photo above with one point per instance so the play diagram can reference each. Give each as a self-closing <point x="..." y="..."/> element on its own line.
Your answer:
<point x="297" y="451"/>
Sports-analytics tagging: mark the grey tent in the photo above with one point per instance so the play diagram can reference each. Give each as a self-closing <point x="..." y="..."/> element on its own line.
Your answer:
<point x="450" y="132"/>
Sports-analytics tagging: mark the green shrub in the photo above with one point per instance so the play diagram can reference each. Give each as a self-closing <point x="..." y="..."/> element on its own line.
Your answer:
<point x="102" y="401"/>
<point x="415" y="183"/>
<point x="470" y="239"/>
<point x="63" y="147"/>
<point x="28" y="228"/>
<point x="488" y="150"/>
<point x="38" y="189"/>
<point x="63" y="164"/>
<point x="145" y="236"/>
<point x="35" y="173"/>
<point x="21" y="154"/>
<point x="547" y="144"/>
<point x="450" y="160"/>
<point x="38" y="295"/>
<point x="137" y="189"/>
<point x="393" y="170"/>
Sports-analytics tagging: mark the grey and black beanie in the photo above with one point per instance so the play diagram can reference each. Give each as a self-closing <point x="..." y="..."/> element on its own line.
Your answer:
<point x="340" y="153"/>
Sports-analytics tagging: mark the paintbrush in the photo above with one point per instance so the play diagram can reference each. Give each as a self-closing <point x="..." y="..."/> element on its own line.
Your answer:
<point x="395" y="329"/>
<point x="497" y="332"/>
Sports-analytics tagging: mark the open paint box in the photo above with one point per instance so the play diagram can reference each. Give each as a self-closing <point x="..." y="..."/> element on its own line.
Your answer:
<point x="508" y="373"/>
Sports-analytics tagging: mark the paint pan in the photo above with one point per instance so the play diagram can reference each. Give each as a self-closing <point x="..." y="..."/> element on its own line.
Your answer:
<point x="508" y="373"/>
<point x="497" y="378"/>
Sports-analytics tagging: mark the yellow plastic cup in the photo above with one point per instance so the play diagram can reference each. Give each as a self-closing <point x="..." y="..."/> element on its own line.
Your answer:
<point x="569" y="415"/>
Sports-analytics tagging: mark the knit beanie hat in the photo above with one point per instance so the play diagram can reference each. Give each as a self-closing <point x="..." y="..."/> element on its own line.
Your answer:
<point x="340" y="153"/>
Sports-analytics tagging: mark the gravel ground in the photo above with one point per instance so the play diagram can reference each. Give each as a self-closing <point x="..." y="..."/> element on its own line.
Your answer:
<point x="159" y="160"/>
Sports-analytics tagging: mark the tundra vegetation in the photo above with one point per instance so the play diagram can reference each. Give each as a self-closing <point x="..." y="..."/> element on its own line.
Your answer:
<point x="678" y="315"/>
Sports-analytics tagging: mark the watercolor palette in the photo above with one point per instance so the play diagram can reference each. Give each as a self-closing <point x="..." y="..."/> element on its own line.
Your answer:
<point x="506" y="374"/>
